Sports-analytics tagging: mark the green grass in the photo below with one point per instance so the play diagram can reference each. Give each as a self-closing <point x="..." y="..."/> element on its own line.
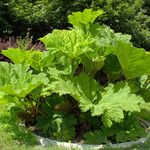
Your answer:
<point x="13" y="136"/>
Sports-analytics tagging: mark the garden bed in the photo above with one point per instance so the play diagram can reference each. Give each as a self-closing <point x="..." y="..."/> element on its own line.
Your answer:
<point x="90" y="84"/>
<point x="47" y="142"/>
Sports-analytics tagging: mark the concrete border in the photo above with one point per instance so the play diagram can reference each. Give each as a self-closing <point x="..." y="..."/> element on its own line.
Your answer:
<point x="48" y="142"/>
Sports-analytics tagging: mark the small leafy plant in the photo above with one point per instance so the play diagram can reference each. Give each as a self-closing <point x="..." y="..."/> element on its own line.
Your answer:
<point x="90" y="83"/>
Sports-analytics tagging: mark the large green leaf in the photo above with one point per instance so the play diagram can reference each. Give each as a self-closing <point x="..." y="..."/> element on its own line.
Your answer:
<point x="41" y="60"/>
<point x="134" y="61"/>
<point x="85" y="17"/>
<point x="6" y="98"/>
<point x="36" y="59"/>
<point x="112" y="68"/>
<point x="70" y="47"/>
<point x="72" y="43"/>
<point x="105" y="38"/>
<point x="60" y="126"/>
<point x="129" y="130"/>
<point x="116" y="99"/>
<point x="110" y="103"/>
<point x="83" y="88"/>
<point x="17" y="80"/>
<point x="17" y="55"/>
<point x="96" y="137"/>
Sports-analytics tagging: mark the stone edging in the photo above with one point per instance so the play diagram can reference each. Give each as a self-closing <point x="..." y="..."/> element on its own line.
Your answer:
<point x="47" y="142"/>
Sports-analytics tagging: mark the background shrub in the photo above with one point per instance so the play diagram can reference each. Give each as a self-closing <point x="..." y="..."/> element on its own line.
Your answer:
<point x="5" y="20"/>
<point x="127" y="16"/>
<point x="17" y="17"/>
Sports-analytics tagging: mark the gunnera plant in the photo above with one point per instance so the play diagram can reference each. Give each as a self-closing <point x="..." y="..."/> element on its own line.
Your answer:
<point x="90" y="84"/>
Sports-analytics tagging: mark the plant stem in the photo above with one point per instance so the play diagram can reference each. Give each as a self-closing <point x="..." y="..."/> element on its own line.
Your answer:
<point x="146" y="82"/>
<point x="37" y="106"/>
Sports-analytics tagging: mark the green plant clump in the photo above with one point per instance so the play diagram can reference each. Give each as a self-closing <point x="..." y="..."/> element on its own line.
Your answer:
<point x="90" y="84"/>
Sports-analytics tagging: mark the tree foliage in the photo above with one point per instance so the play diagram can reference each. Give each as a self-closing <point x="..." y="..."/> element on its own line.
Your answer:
<point x="42" y="16"/>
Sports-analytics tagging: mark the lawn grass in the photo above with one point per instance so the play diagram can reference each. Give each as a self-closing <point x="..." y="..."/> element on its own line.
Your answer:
<point x="14" y="137"/>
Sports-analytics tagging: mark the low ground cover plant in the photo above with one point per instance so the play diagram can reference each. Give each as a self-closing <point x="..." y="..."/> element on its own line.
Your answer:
<point x="90" y="84"/>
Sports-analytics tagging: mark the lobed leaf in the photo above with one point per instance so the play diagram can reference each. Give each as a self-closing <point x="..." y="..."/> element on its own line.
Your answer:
<point x="17" y="80"/>
<point x="72" y="43"/>
<point x="134" y="61"/>
<point x="85" y="17"/>
<point x="116" y="99"/>
<point x="95" y="137"/>
<point x="17" y="55"/>
<point x="36" y="59"/>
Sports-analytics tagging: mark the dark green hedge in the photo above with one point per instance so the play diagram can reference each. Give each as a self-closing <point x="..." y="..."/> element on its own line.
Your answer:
<point x="17" y="17"/>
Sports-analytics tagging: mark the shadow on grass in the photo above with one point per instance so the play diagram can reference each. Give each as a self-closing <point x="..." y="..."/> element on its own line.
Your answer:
<point x="10" y="128"/>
